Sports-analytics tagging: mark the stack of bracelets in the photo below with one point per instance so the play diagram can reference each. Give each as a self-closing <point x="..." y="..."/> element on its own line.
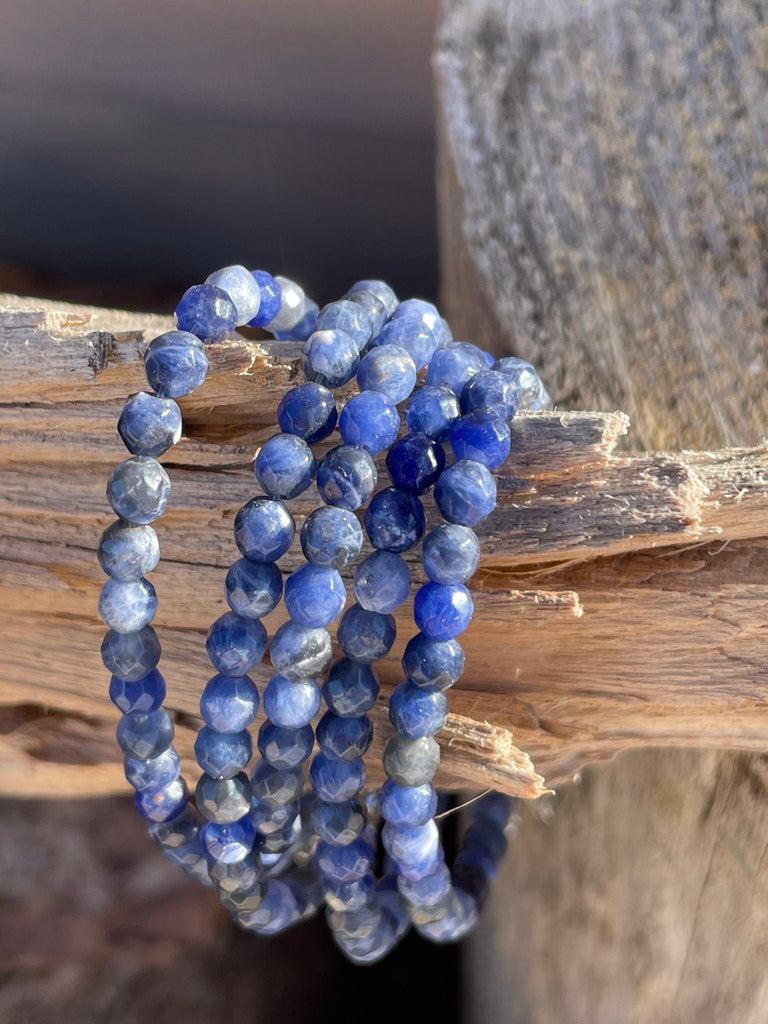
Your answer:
<point x="274" y="854"/>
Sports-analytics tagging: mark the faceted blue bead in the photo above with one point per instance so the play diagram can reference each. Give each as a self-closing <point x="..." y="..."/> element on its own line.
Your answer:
<point x="411" y="844"/>
<point x="235" y="644"/>
<point x="277" y="910"/>
<point x="237" y="877"/>
<point x="351" y="689"/>
<point x="283" y="747"/>
<point x="339" y="824"/>
<point x="272" y="785"/>
<point x="432" y="410"/>
<point x="524" y="379"/>
<point x="336" y="781"/>
<point x="149" y="425"/>
<point x="314" y="596"/>
<point x="271" y="818"/>
<point x="128" y="551"/>
<point x="181" y="830"/>
<point x="153" y="772"/>
<point x="369" y="420"/>
<point x="415" y="462"/>
<point x="470" y="878"/>
<point x="380" y="289"/>
<point x="446" y="338"/>
<point x="207" y="312"/>
<point x="394" y="520"/>
<point x="130" y="656"/>
<point x="349" y="317"/>
<point x="373" y="308"/>
<point x="228" y="843"/>
<point x="411" y="334"/>
<point x="162" y="804"/>
<point x="293" y="304"/>
<point x="465" y="492"/>
<point x="175" y="364"/>
<point x="285" y="466"/>
<point x="365" y="636"/>
<point x="417" y="712"/>
<point x="291" y="703"/>
<point x="429" y="892"/>
<point x="241" y="287"/>
<point x="308" y="411"/>
<point x="343" y="896"/>
<point x="382" y="582"/>
<point x="389" y="370"/>
<point x="485" y="359"/>
<point x="330" y="357"/>
<point x="127" y="607"/>
<point x="407" y="805"/>
<point x="496" y="808"/>
<point x="187" y="856"/>
<point x="138" y="489"/>
<point x="229" y="703"/>
<point x="253" y="588"/>
<point x="418" y="309"/>
<point x="442" y="611"/>
<point x="355" y="924"/>
<point x="453" y="366"/>
<point x="305" y="327"/>
<point x="331" y="537"/>
<point x="281" y="842"/>
<point x="433" y="663"/>
<point x="264" y="530"/>
<point x="481" y="437"/>
<point x="142" y="695"/>
<point x="145" y="735"/>
<point x="346" y="477"/>
<point x="490" y="392"/>
<point x="411" y="762"/>
<point x="269" y="299"/>
<point x="222" y="754"/>
<point x="344" y="863"/>
<point x="450" y="553"/>
<point x="543" y="402"/>
<point x="485" y="836"/>
<point x="301" y="652"/>
<point x="460" y="919"/>
<point x="344" y="738"/>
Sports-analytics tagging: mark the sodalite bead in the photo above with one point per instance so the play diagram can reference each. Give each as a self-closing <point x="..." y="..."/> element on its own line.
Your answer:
<point x="344" y="738"/>
<point x="272" y="785"/>
<point x="281" y="842"/>
<point x="237" y="877"/>
<point x="308" y="411"/>
<point x="235" y="644"/>
<point x="330" y="357"/>
<point x="277" y="910"/>
<point x="142" y="695"/>
<point x="264" y="530"/>
<point x="272" y="818"/>
<point x="369" y="420"/>
<point x="228" y="843"/>
<point x="331" y="537"/>
<point x="351" y="689"/>
<point x="314" y="596"/>
<point x="382" y="581"/>
<point x="285" y="748"/>
<point x="394" y="520"/>
<point x="524" y="379"/>
<point x="207" y="312"/>
<point x="175" y="364"/>
<point x="442" y="611"/>
<point x="452" y="367"/>
<point x="380" y="289"/>
<point x="407" y="805"/>
<point x="388" y="369"/>
<point x="223" y="800"/>
<point x="129" y="656"/>
<point x="433" y="663"/>
<point x="450" y="553"/>
<point x="350" y="896"/>
<point x="410" y="334"/>
<point x="162" y="804"/>
<point x="416" y="712"/>
<point x="344" y="863"/>
<point x="181" y="831"/>
<point x="241" y="287"/>
<point x="128" y="551"/>
<point x="222" y="754"/>
<point x="465" y="492"/>
<point x="411" y="762"/>
<point x="349" y="317"/>
<point x="301" y="652"/>
<point x="145" y="735"/>
<point x="365" y="636"/>
<point x="340" y="823"/>
<point x="415" y="462"/>
<point x="304" y="327"/>
<point x="415" y="844"/>
<point x="419" y="309"/>
<point x="229" y="703"/>
<point x="291" y="703"/>
<point x="432" y="410"/>
<point x="460" y="919"/>
<point x="253" y="588"/>
<point x="292" y="303"/>
<point x="138" y="489"/>
<point x="490" y="392"/>
<point x="270" y="297"/>
<point x="481" y="437"/>
<point x="128" y="606"/>
<point x="336" y="781"/>
<point x="284" y="466"/>
<point x="149" y="425"/>
<point x="153" y="772"/>
<point x="244" y="900"/>
<point x="346" y="477"/>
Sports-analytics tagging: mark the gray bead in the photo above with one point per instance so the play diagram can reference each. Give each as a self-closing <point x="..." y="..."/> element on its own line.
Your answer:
<point x="243" y="874"/>
<point x="130" y="656"/>
<point x="138" y="489"/>
<point x="411" y="762"/>
<point x="128" y="551"/>
<point x="276" y="785"/>
<point x="223" y="800"/>
<point x="242" y="900"/>
<point x="301" y="652"/>
<point x="292" y="305"/>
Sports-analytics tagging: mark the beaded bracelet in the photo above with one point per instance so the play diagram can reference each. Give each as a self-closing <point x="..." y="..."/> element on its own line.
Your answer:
<point x="273" y="854"/>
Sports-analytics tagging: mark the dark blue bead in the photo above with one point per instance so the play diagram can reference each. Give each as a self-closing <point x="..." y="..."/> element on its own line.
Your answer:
<point x="450" y="553"/>
<point x="339" y="824"/>
<point x="142" y="695"/>
<point x="485" y="836"/>
<point x="301" y="652"/>
<point x="432" y="410"/>
<point x="308" y="411"/>
<point x="331" y="537"/>
<point x="145" y="735"/>
<point x="253" y="588"/>
<point x="222" y="754"/>
<point x="272" y="785"/>
<point x="235" y="644"/>
<point x="496" y="808"/>
<point x="228" y="843"/>
<point x="138" y="489"/>
<point x="153" y="772"/>
<point x="490" y="392"/>
<point x="369" y="420"/>
<point x="271" y="297"/>
<point x="162" y="804"/>
<point x="411" y="334"/>
<point x="175" y="364"/>
<point x="365" y="636"/>
<point x="291" y="703"/>
<point x="394" y="520"/>
<point x="264" y="530"/>
<point x="453" y="366"/>
<point x="284" y="747"/>
<point x="351" y="689"/>
<point x="272" y="818"/>
<point x="481" y="437"/>
<point x="314" y="596"/>
<point x="382" y="582"/>
<point x="407" y="805"/>
<point x="129" y="656"/>
<point x="284" y="466"/>
<point x="346" y="477"/>
<point x="349" y="317"/>
<point x="388" y="369"/>
<point x="344" y="738"/>
<point x="344" y="863"/>
<point x="465" y="492"/>
<point x="229" y="703"/>
<point x="149" y="425"/>
<point x="127" y="606"/>
<point x="415" y="462"/>
<point x="442" y="611"/>
<point x="524" y="379"/>
<point x="330" y="358"/>
<point x="380" y="289"/>
<point x="433" y="663"/>
<point x="207" y="312"/>
<point x="416" y="712"/>
<point x="128" y="551"/>
<point x="336" y="781"/>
